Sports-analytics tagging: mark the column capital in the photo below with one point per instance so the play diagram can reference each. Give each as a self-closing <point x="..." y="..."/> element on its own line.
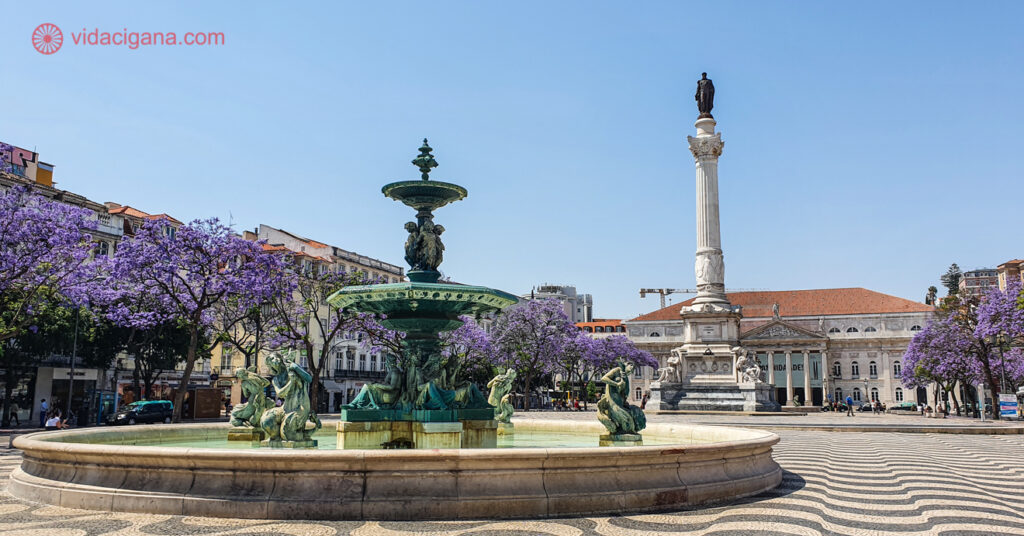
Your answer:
<point x="706" y="147"/>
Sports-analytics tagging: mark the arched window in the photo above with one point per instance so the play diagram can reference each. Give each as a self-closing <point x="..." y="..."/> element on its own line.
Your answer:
<point x="620" y="329"/>
<point x="915" y="327"/>
<point x="855" y="369"/>
<point x="874" y="394"/>
<point x="856" y="394"/>
<point x="599" y="329"/>
<point x="655" y="334"/>
<point x="833" y="330"/>
<point x="873" y="369"/>
<point x="851" y="330"/>
<point x="637" y="394"/>
<point x="837" y="370"/>
<point x="899" y="394"/>
<point x="869" y="329"/>
<point x="896" y="369"/>
<point x="588" y="329"/>
<point x="839" y="394"/>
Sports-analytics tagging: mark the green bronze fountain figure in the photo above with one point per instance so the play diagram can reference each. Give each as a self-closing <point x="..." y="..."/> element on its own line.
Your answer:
<point x="421" y="384"/>
<point x="293" y="423"/>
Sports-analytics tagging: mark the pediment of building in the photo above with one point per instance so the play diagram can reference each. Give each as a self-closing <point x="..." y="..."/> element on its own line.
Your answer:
<point x="778" y="330"/>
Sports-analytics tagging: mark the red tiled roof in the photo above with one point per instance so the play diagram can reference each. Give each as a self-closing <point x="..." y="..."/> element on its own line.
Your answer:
<point x="816" y="302"/>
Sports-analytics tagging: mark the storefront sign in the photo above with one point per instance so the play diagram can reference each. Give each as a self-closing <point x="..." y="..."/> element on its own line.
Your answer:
<point x="224" y="383"/>
<point x="63" y="373"/>
<point x="1007" y="406"/>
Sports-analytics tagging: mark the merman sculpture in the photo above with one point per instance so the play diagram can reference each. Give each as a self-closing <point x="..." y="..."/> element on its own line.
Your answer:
<point x="248" y="414"/>
<point x="623" y="420"/>
<point x="293" y="423"/>
<point x="501" y="386"/>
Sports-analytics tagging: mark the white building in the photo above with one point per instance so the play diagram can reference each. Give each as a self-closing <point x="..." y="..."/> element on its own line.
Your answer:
<point x="825" y="342"/>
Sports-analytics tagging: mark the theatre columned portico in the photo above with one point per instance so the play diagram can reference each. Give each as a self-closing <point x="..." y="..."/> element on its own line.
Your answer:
<point x="792" y="359"/>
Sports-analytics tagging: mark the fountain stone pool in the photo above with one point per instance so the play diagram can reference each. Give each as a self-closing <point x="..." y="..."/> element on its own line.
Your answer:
<point x="550" y="468"/>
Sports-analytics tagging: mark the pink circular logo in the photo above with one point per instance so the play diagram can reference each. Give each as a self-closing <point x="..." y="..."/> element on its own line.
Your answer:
<point x="47" y="38"/>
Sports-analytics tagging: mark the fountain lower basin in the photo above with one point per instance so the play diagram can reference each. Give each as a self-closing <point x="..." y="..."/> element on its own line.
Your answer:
<point x="698" y="465"/>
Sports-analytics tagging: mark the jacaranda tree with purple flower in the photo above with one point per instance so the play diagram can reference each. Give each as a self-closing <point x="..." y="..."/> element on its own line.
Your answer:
<point x="940" y="354"/>
<point x="1001" y="324"/>
<point x="530" y="338"/>
<point x="468" y="353"/>
<point x="183" y="274"/>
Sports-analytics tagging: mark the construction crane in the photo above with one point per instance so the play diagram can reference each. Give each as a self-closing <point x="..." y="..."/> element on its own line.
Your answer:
<point x="662" y="292"/>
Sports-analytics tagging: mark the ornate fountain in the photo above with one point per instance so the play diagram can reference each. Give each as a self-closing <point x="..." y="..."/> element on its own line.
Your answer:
<point x="422" y="401"/>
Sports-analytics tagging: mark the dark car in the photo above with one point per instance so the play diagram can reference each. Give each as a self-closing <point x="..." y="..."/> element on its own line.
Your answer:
<point x="143" y="411"/>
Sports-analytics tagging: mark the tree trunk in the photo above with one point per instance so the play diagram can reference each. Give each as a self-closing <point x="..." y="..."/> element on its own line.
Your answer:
<point x="9" y="379"/>
<point x="526" y="397"/>
<point x="186" y="375"/>
<point x="314" y="370"/>
<point x="956" y="404"/>
<point x="135" y="380"/>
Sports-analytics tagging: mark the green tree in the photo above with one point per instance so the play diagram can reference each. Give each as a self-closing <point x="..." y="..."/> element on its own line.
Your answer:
<point x="951" y="280"/>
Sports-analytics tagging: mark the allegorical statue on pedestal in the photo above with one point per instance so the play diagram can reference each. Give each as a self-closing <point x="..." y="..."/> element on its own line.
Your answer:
<point x="705" y="96"/>
<point x="501" y="386"/>
<point x="249" y="413"/>
<point x="423" y="248"/>
<point x="613" y="410"/>
<point x="747" y="366"/>
<point x="294" y="419"/>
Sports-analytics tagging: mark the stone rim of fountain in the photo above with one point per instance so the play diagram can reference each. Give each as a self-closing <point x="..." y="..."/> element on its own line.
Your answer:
<point x="393" y="484"/>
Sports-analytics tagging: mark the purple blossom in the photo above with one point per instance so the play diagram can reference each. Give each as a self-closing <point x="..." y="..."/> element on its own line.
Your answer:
<point x="45" y="257"/>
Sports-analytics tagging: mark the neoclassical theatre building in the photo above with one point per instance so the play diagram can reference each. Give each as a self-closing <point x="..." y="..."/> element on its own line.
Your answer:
<point x="839" y="342"/>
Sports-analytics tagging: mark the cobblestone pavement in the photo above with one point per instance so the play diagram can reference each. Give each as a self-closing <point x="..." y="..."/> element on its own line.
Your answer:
<point x="834" y="483"/>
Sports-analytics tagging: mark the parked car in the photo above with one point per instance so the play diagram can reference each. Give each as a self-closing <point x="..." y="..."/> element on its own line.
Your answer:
<point x="904" y="406"/>
<point x="143" y="411"/>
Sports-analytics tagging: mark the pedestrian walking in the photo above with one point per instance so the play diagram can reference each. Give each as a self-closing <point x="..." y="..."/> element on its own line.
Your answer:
<point x="44" y="408"/>
<point x="14" y="413"/>
<point x="849" y="407"/>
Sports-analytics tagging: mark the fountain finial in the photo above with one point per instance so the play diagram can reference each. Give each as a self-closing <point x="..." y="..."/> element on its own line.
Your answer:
<point x="425" y="161"/>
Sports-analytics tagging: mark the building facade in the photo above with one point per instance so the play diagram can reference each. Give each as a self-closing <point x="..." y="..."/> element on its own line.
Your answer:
<point x="578" y="307"/>
<point x="813" y="345"/>
<point x="978" y="282"/>
<point x="1010" y="271"/>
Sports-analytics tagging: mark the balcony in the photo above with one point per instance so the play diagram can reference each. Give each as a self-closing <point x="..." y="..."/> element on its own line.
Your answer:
<point x="345" y="374"/>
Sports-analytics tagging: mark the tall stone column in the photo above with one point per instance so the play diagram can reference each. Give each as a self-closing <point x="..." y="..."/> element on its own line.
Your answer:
<point x="826" y="373"/>
<point x="771" y="369"/>
<point x="789" y="378"/>
<point x="808" y="399"/>
<point x="709" y="266"/>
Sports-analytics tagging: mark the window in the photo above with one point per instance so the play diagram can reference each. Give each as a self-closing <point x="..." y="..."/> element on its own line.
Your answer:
<point x="856" y="394"/>
<point x="839" y="394"/>
<point x="103" y="249"/>
<point x="899" y="394"/>
<point x="362" y="362"/>
<point x="637" y="393"/>
<point x="638" y="372"/>
<point x="837" y="370"/>
<point x="915" y="327"/>
<point x="869" y="329"/>
<point x="874" y="394"/>
<point x="351" y="359"/>
<point x="588" y="329"/>
<point x="851" y="330"/>
<point x="873" y="369"/>
<point x="896" y="369"/>
<point x="600" y="329"/>
<point x="620" y="329"/>
<point x="855" y="370"/>
<point x="833" y="330"/>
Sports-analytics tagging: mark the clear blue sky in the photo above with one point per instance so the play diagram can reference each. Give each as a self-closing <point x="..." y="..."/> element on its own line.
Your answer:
<point x="867" y="144"/>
